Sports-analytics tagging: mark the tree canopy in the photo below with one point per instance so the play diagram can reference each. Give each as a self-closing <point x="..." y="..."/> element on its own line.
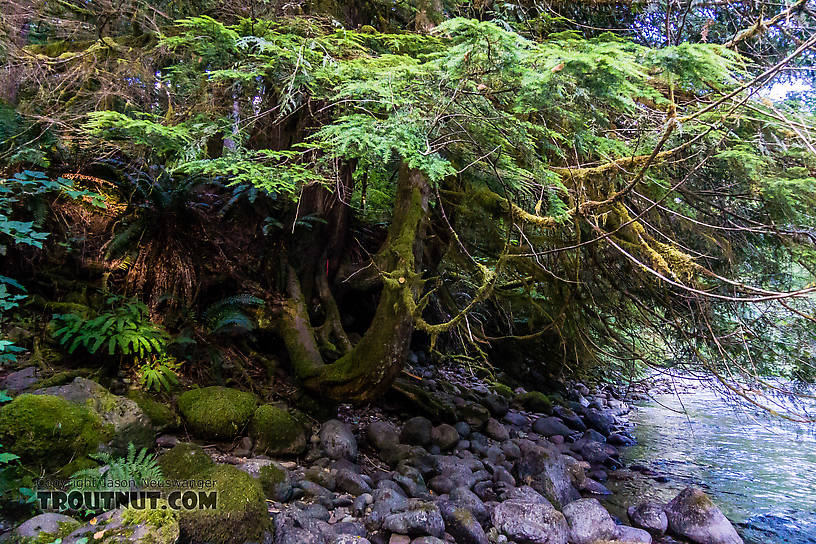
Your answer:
<point x="533" y="188"/>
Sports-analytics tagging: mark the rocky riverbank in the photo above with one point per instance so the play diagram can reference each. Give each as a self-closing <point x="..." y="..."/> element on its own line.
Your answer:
<point x="441" y="459"/>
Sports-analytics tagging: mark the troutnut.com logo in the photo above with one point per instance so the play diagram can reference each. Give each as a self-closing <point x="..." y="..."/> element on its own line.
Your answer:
<point x="106" y="494"/>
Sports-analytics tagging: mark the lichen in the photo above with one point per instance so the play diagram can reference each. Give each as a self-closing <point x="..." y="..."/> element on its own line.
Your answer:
<point x="47" y="431"/>
<point x="217" y="412"/>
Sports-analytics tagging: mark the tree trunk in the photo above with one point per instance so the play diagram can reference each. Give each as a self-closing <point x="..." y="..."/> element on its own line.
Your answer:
<point x="370" y="367"/>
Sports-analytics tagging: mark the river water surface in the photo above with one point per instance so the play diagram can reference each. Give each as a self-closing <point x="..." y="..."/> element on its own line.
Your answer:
<point x="761" y="471"/>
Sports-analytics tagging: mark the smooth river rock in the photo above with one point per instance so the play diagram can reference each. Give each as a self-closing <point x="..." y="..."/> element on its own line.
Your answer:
<point x="692" y="515"/>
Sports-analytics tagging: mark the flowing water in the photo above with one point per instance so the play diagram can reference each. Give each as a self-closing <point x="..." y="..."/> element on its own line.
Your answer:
<point x="760" y="471"/>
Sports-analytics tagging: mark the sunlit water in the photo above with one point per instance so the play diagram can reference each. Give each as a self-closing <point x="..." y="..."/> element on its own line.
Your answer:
<point x="761" y="471"/>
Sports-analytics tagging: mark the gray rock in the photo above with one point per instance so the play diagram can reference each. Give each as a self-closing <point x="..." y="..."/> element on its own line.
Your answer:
<point x="632" y="535"/>
<point x="445" y="436"/>
<point x="465" y="498"/>
<point x="551" y="426"/>
<point x="618" y="439"/>
<point x="441" y="484"/>
<point x="382" y="435"/>
<point x="463" y="429"/>
<point x="601" y="421"/>
<point x="417" y="431"/>
<point x="530" y="523"/>
<point x="423" y="518"/>
<point x="570" y="418"/>
<point x="427" y="540"/>
<point x="589" y="521"/>
<point x="127" y="421"/>
<point x="496" y="404"/>
<point x="351" y="482"/>
<point x="547" y="473"/>
<point x="461" y="523"/>
<point x="19" y="381"/>
<point x="386" y="501"/>
<point x="118" y="531"/>
<point x="692" y="515"/>
<point x="527" y="494"/>
<point x="474" y="414"/>
<point x="337" y="440"/>
<point x="516" y="419"/>
<point x="349" y="539"/>
<point x="496" y="430"/>
<point x="49" y="523"/>
<point x="649" y="516"/>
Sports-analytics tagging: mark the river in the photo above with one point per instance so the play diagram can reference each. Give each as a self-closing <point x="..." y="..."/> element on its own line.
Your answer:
<point x="760" y="470"/>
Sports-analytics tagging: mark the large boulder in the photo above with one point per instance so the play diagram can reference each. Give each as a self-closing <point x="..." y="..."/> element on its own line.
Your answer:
<point x="692" y="515"/>
<point x="589" y="521"/>
<point x="337" y="440"/>
<point x="216" y="412"/>
<point x="123" y="417"/>
<point x="535" y="402"/>
<point x="276" y="432"/>
<point x="445" y="436"/>
<point x="530" y="522"/>
<point x="649" y="516"/>
<point x="47" y="432"/>
<point x="547" y="473"/>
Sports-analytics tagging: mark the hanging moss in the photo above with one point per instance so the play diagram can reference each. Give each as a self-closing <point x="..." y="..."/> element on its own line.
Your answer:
<point x="47" y="431"/>
<point x="217" y="412"/>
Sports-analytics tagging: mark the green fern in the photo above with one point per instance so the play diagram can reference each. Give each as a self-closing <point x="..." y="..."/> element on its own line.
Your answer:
<point x="126" y="329"/>
<point x="133" y="471"/>
<point x="229" y="313"/>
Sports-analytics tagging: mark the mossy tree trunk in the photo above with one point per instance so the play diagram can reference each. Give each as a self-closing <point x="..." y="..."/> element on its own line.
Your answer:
<point x="367" y="369"/>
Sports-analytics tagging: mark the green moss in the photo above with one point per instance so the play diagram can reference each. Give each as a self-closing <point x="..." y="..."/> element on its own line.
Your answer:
<point x="275" y="482"/>
<point x="48" y="432"/>
<point x="60" y="378"/>
<point x="276" y="432"/>
<point x="65" y="528"/>
<point x="185" y="461"/>
<point x="240" y="514"/>
<point x="217" y="412"/>
<point x="503" y="390"/>
<point x="160" y="415"/>
<point x="160" y="516"/>
<point x="535" y="401"/>
<point x="76" y="465"/>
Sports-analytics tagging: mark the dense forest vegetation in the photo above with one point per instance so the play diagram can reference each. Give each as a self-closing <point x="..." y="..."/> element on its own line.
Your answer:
<point x="308" y="201"/>
<point x="540" y="189"/>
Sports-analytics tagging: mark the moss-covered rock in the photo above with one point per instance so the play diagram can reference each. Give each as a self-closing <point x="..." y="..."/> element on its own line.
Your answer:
<point x="217" y="412"/>
<point x="277" y="432"/>
<point x="130" y="526"/>
<point x="503" y="390"/>
<point x="240" y="514"/>
<point x="160" y="415"/>
<point x="275" y="481"/>
<point x="44" y="528"/>
<point x="47" y="431"/>
<point x="185" y="461"/>
<point x="535" y="401"/>
<point x="126" y="421"/>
